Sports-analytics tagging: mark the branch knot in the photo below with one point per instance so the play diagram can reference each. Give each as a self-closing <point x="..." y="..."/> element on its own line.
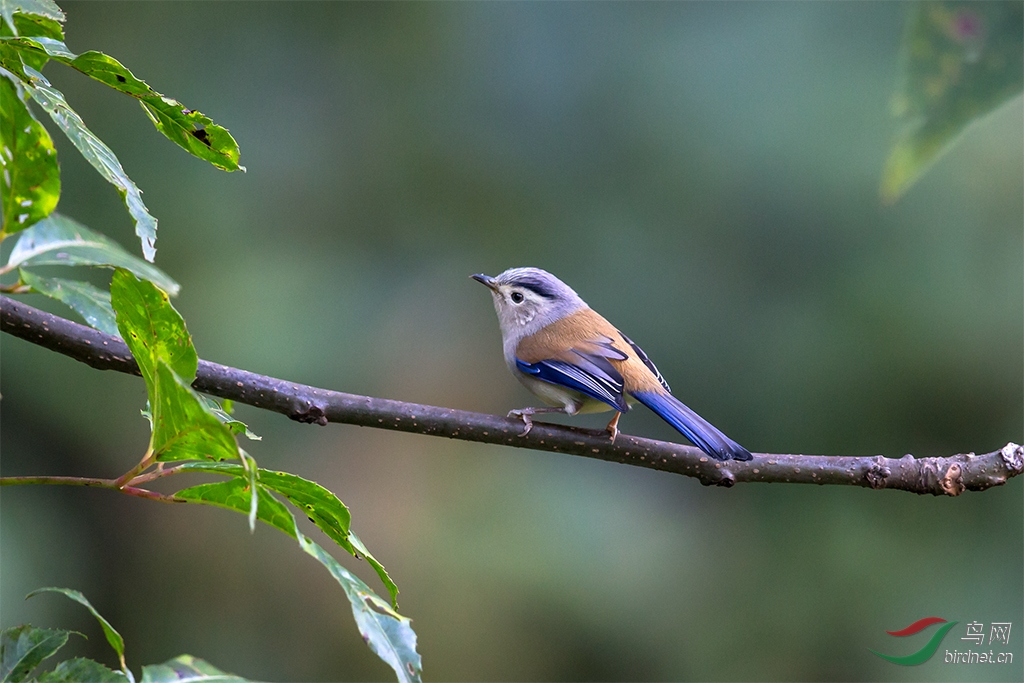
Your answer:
<point x="877" y="474"/>
<point x="1013" y="456"/>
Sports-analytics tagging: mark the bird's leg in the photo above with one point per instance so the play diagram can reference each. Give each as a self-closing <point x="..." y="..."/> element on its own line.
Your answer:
<point x="613" y="426"/>
<point x="525" y="413"/>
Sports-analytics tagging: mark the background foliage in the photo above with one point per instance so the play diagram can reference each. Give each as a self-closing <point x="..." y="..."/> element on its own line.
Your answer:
<point x="706" y="175"/>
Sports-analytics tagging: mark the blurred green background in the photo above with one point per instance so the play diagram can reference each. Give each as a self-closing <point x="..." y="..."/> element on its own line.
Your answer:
<point x="705" y="175"/>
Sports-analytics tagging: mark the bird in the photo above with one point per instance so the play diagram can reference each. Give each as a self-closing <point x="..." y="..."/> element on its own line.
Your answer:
<point x="575" y="361"/>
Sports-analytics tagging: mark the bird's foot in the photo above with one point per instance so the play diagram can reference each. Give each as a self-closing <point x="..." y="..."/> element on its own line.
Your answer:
<point x="613" y="426"/>
<point x="523" y="414"/>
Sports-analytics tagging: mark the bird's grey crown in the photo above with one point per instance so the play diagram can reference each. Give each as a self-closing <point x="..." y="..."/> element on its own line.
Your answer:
<point x="538" y="281"/>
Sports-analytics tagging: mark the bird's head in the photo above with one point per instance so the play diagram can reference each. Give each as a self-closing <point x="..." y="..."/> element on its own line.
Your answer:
<point x="527" y="299"/>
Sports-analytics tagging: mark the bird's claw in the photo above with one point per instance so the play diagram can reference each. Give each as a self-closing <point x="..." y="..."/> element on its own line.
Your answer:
<point x="525" y="417"/>
<point x="613" y="426"/>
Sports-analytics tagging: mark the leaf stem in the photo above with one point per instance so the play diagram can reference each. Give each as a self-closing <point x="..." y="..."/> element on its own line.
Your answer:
<point x="91" y="481"/>
<point x="128" y="476"/>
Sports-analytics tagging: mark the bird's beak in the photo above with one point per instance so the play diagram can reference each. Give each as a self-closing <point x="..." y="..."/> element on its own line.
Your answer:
<point x="486" y="280"/>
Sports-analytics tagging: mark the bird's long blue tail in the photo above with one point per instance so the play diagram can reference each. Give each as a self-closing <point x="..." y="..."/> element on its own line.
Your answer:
<point x="694" y="427"/>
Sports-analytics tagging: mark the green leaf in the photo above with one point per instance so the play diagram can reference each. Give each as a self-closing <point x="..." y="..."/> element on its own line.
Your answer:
<point x="153" y="330"/>
<point x="387" y="632"/>
<point x="42" y="8"/>
<point x="61" y="241"/>
<point x="23" y="648"/>
<point x="113" y="637"/>
<point x="14" y="56"/>
<point x="224" y="416"/>
<point x="31" y="177"/>
<point x="80" y="669"/>
<point x="182" y="428"/>
<point x="960" y="60"/>
<point x="329" y="514"/>
<point x="235" y="494"/>
<point x="90" y="302"/>
<point x="187" y="668"/>
<point x="358" y="549"/>
<point x="319" y="504"/>
<point x="97" y="154"/>
<point x="191" y="130"/>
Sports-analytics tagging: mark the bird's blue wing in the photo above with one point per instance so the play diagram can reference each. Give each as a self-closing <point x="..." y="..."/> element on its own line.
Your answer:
<point x="589" y="373"/>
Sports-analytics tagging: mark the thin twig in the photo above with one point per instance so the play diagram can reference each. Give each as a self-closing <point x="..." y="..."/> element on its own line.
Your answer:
<point x="936" y="475"/>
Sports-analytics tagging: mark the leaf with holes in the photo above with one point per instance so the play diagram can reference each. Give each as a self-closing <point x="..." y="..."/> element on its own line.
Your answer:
<point x="191" y="130"/>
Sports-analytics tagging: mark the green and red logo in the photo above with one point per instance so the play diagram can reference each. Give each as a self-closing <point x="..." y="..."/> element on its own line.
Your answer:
<point x="926" y="652"/>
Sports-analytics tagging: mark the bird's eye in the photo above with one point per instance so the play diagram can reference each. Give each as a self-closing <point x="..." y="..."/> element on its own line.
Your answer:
<point x="517" y="297"/>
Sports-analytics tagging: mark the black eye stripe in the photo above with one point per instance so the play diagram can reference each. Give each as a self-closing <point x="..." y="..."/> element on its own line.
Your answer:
<point x="537" y="286"/>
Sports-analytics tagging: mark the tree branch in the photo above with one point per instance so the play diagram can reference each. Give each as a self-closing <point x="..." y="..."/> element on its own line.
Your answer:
<point x="936" y="475"/>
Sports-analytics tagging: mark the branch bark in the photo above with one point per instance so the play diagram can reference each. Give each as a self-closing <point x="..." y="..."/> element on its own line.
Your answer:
<point x="948" y="476"/>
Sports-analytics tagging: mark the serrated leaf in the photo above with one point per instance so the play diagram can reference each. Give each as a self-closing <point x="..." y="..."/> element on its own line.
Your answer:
<point x="96" y="153"/>
<point x="61" y="241"/>
<point x="153" y="330"/>
<point x="80" y="669"/>
<point x="187" y="668"/>
<point x="42" y="8"/>
<point x="89" y="301"/>
<point x="960" y="60"/>
<point x="113" y="637"/>
<point x="30" y="174"/>
<point x="387" y="632"/>
<point x="23" y="648"/>
<point x="223" y="415"/>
